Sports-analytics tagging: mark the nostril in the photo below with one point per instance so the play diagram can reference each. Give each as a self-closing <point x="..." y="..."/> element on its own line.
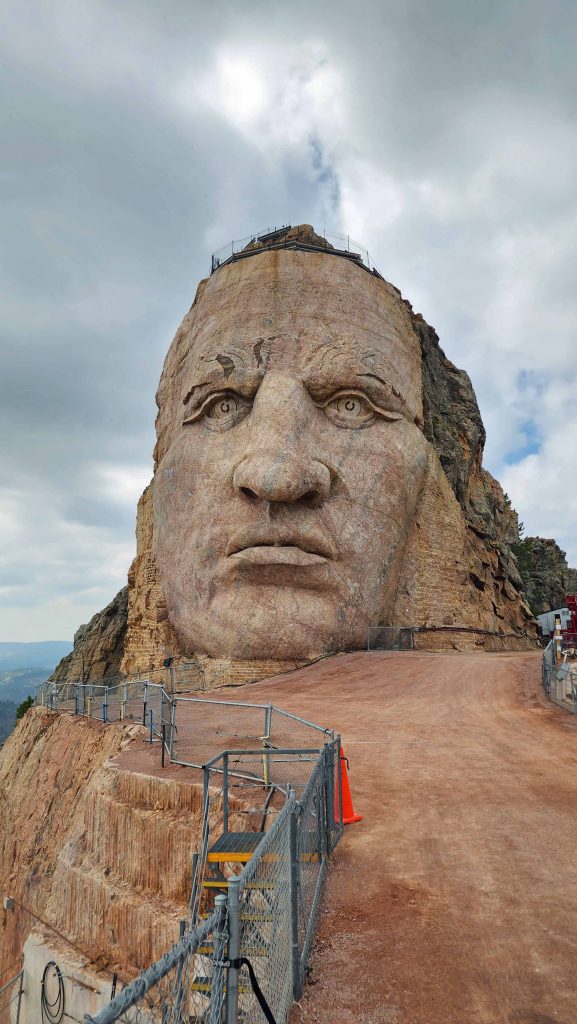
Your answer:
<point x="310" y="498"/>
<point x="249" y="494"/>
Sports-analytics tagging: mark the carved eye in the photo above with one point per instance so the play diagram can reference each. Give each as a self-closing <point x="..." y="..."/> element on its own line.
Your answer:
<point x="352" y="409"/>
<point x="222" y="411"/>
<point x="349" y="410"/>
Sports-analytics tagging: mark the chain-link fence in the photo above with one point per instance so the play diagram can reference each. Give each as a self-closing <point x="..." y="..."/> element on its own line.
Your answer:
<point x="202" y="728"/>
<point x="559" y="675"/>
<point x="258" y="882"/>
<point x="390" y="638"/>
<point x="185" y="985"/>
<point x="11" y="999"/>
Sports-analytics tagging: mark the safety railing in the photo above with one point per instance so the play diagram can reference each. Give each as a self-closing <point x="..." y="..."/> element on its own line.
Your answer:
<point x="191" y="730"/>
<point x="187" y="984"/>
<point x="202" y="728"/>
<point x="139" y="700"/>
<point x="246" y="955"/>
<point x="11" y="999"/>
<point x="287" y="238"/>
<point x="559" y="675"/>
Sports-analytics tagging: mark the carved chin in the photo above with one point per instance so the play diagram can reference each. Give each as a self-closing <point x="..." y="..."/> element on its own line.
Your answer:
<point x="265" y="621"/>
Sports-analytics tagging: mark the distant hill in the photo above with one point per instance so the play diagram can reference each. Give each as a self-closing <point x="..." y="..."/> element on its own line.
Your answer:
<point x="17" y="684"/>
<point x="7" y="719"/>
<point x="45" y="654"/>
<point x="24" y="666"/>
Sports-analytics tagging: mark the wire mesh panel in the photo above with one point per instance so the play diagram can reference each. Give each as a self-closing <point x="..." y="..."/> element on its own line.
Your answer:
<point x="390" y="638"/>
<point x="204" y="727"/>
<point x="10" y="999"/>
<point x="265" y="913"/>
<point x="186" y="986"/>
<point x="333" y="791"/>
<point x="311" y="856"/>
<point x="188" y="675"/>
<point x="548" y="665"/>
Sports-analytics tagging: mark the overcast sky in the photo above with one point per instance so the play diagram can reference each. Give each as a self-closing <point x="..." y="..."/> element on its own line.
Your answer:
<point x="138" y="136"/>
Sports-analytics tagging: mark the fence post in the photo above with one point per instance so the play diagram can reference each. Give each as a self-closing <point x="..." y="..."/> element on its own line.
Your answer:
<point x="328" y="755"/>
<point x="265" y="743"/>
<point x="105" y="706"/>
<point x="20" y="994"/>
<point x="218" y="969"/>
<point x="233" y="950"/>
<point x="194" y="887"/>
<point x="75" y="698"/>
<point x="179" y="985"/>
<point x="145" y="704"/>
<point x="150" y="714"/>
<point x="225" y="792"/>
<point x="171" y="736"/>
<point x="294" y="900"/>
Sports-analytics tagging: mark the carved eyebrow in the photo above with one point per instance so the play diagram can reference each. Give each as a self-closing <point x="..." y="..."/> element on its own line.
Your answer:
<point x="393" y="395"/>
<point x="321" y="383"/>
<point x="237" y="378"/>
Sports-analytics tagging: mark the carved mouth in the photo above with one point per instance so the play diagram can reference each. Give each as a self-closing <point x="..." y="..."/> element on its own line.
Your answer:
<point x="282" y="548"/>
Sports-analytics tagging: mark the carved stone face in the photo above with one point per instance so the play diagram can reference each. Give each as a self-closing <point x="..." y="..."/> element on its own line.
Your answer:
<point x="290" y="458"/>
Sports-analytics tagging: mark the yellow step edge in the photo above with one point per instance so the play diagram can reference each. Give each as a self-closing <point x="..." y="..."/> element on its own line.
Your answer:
<point x="233" y="858"/>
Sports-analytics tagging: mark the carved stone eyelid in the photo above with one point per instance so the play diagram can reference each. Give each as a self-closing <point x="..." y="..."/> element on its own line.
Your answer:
<point x="198" y="413"/>
<point x="385" y="414"/>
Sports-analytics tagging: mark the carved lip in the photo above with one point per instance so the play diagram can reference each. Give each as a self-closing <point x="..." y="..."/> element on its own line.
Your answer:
<point x="272" y="546"/>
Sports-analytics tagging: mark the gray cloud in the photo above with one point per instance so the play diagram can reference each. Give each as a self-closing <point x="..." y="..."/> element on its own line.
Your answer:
<point x="136" y="138"/>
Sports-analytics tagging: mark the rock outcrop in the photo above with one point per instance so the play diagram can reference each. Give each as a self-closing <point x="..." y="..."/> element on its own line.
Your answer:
<point x="85" y="847"/>
<point x="546" y="577"/>
<point x="98" y="645"/>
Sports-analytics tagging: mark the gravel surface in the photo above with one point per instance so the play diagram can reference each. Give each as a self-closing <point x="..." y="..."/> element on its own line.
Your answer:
<point x="455" y="900"/>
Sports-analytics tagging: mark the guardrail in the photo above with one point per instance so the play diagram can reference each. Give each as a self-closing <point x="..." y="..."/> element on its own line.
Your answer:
<point x="252" y="948"/>
<point x="559" y="678"/>
<point x="11" y="992"/>
<point x="191" y="730"/>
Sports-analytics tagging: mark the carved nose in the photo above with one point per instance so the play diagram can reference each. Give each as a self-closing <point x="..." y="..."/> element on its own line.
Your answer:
<point x="283" y="481"/>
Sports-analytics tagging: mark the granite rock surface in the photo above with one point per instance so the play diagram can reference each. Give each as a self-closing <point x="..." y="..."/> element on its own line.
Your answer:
<point x="418" y="532"/>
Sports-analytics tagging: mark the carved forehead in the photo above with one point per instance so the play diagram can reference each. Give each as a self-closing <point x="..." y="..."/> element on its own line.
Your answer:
<point x="298" y="311"/>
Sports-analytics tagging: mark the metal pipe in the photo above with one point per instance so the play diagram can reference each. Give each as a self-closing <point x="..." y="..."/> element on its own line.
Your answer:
<point x="225" y="793"/>
<point x="294" y="903"/>
<point x="219" y="943"/>
<point x="139" y="988"/>
<point x="233" y="949"/>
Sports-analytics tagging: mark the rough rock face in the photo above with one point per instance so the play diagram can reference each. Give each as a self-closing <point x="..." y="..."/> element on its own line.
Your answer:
<point x="546" y="577"/>
<point x="84" y="846"/>
<point x="453" y="425"/>
<point x="454" y="565"/>
<point x="98" y="645"/>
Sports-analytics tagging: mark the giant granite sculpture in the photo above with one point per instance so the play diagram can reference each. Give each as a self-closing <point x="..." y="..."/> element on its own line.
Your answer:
<point x="317" y="471"/>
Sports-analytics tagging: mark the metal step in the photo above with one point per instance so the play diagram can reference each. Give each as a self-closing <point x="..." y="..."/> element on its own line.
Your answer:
<point x="208" y="950"/>
<point x="222" y="883"/>
<point x="234" y="847"/>
<point x="204" y="984"/>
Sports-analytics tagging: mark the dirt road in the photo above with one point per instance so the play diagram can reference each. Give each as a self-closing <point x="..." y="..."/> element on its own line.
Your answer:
<point x="455" y="900"/>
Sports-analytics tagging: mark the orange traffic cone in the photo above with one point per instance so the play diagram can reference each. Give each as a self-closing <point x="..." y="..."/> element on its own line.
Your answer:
<point x="348" y="812"/>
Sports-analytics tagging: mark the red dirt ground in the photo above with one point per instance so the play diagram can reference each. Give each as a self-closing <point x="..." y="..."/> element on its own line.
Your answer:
<point x="455" y="900"/>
